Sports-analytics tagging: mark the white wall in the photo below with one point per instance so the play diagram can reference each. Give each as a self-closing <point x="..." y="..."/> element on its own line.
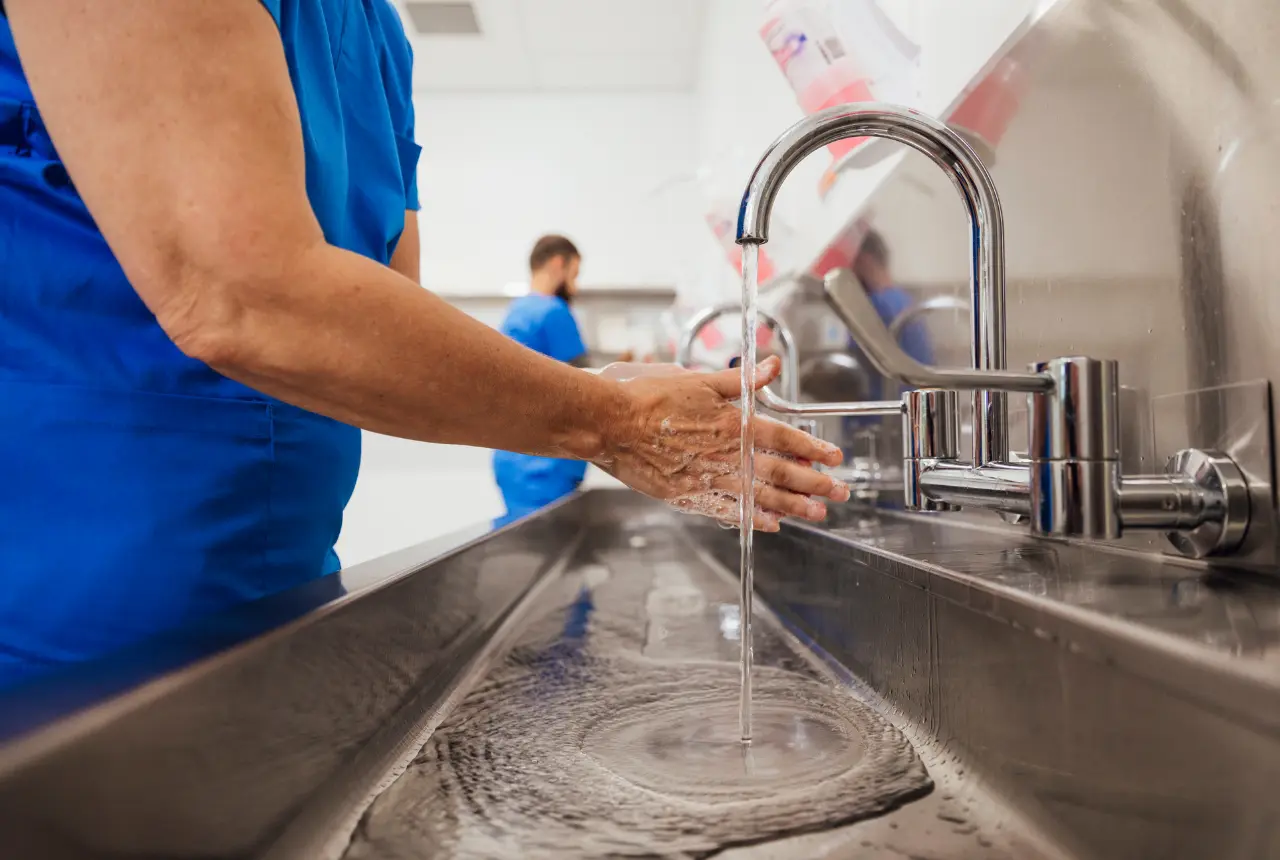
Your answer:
<point x="497" y="171"/>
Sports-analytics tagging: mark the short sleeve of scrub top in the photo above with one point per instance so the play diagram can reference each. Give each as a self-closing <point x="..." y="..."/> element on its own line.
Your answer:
<point x="397" y="74"/>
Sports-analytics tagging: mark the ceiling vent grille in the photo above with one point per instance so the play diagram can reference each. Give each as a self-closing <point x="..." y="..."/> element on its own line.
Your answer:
<point x="438" y="18"/>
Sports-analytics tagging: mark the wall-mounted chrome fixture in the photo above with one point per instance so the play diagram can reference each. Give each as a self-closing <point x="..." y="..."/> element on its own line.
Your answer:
<point x="1071" y="485"/>
<point x="786" y="341"/>
<point x="789" y="404"/>
<point x="919" y="309"/>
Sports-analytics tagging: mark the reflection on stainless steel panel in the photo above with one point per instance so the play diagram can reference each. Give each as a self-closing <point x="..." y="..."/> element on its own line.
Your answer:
<point x="1137" y="181"/>
<point x="1116" y="752"/>
<point x="937" y="303"/>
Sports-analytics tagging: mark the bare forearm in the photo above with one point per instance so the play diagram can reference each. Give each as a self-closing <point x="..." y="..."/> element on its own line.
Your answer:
<point x="343" y="336"/>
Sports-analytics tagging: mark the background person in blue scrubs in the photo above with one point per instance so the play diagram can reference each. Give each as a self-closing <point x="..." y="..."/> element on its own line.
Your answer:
<point x="544" y="322"/>
<point x="207" y="263"/>
<point x="871" y="267"/>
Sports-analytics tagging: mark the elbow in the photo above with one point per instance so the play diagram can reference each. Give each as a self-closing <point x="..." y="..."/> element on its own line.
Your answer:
<point x="218" y="285"/>
<point x="206" y="315"/>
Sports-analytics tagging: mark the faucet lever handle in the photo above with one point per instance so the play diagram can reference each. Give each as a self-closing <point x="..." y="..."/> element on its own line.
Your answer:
<point x="851" y="303"/>
<point x="768" y="400"/>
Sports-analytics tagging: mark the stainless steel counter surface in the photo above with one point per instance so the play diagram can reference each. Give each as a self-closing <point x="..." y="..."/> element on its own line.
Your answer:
<point x="1117" y="706"/>
<point x="208" y="741"/>
<point x="1130" y="705"/>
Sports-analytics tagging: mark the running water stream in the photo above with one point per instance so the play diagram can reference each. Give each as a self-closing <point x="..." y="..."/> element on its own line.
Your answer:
<point x="747" y="506"/>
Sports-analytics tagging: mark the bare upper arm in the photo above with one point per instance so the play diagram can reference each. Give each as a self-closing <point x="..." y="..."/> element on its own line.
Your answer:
<point x="407" y="259"/>
<point x="178" y="124"/>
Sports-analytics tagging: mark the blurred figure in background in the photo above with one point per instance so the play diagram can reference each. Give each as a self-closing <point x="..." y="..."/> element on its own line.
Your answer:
<point x="871" y="267"/>
<point x="543" y="321"/>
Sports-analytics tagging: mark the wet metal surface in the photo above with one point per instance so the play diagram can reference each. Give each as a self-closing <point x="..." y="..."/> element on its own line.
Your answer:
<point x="272" y="705"/>
<point x="1065" y="702"/>
<point x="1128" y="708"/>
<point x="611" y="730"/>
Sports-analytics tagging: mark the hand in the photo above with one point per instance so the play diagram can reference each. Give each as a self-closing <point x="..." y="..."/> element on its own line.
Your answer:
<point x="625" y="371"/>
<point x="682" y="443"/>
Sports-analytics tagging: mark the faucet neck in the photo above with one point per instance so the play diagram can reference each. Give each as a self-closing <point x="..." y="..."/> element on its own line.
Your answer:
<point x="962" y="165"/>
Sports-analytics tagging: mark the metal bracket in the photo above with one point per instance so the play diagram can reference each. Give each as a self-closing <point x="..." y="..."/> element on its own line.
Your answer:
<point x="1236" y="420"/>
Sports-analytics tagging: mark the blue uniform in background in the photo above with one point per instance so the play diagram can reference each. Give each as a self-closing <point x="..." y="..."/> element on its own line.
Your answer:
<point x="546" y="325"/>
<point x="891" y="303"/>
<point x="138" y="487"/>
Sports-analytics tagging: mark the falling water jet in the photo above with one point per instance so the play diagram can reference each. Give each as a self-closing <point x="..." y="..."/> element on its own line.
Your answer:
<point x="747" y="505"/>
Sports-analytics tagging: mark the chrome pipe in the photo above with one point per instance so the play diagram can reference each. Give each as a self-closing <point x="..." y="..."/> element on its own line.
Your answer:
<point x="919" y="309"/>
<point x="1004" y="487"/>
<point x="962" y="165"/>
<point x="852" y="304"/>
<point x="790" y="354"/>
<point x="1166" y="502"/>
<point x="774" y="403"/>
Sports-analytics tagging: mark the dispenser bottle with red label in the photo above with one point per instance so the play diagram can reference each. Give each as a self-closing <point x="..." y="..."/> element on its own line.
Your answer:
<point x="804" y="41"/>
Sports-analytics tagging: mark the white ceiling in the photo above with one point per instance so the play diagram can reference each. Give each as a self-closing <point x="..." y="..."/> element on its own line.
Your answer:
<point x="567" y="46"/>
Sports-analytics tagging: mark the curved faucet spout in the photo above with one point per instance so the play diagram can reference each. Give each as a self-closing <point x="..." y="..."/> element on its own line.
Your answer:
<point x="948" y="150"/>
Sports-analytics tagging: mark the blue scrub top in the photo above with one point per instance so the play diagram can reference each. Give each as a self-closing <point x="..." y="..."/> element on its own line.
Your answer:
<point x="546" y="325"/>
<point x="890" y="303"/>
<point x="138" y="487"/>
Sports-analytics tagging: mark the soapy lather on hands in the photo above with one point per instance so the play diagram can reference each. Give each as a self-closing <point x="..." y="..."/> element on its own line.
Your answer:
<point x="686" y="441"/>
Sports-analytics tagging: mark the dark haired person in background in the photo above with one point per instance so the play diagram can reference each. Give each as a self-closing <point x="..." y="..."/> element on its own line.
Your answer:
<point x="544" y="322"/>
<point x="871" y="267"/>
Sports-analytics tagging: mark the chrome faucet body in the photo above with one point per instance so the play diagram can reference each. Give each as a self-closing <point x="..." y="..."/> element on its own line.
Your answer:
<point x="1071" y="485"/>
<point x="705" y="317"/>
<point x="789" y="404"/>
<point x="948" y="150"/>
<point x="919" y="309"/>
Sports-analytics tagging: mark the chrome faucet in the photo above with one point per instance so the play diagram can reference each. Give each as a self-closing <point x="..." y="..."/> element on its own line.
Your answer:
<point x="705" y="317"/>
<point x="789" y="404"/>
<point x="919" y="309"/>
<point x="1071" y="486"/>
<point x="949" y="151"/>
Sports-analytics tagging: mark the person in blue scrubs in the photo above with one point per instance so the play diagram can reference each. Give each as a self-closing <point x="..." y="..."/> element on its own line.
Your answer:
<point x="208" y="286"/>
<point x="871" y="267"/>
<point x="544" y="322"/>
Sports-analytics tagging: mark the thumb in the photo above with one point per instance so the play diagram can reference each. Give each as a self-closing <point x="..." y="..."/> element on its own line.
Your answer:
<point x="728" y="383"/>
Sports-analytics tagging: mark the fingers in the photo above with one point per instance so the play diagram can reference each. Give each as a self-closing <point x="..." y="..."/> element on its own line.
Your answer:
<point x="771" y="497"/>
<point x="790" y="504"/>
<point x="724" y="507"/>
<point x="799" y="478"/>
<point x="786" y="439"/>
<point x="728" y="383"/>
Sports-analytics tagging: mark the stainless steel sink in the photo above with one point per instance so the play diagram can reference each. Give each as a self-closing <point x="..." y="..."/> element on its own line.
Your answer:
<point x="1067" y="701"/>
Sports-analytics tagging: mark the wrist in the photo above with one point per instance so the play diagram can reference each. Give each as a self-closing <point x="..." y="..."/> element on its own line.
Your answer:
<point x="605" y="425"/>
